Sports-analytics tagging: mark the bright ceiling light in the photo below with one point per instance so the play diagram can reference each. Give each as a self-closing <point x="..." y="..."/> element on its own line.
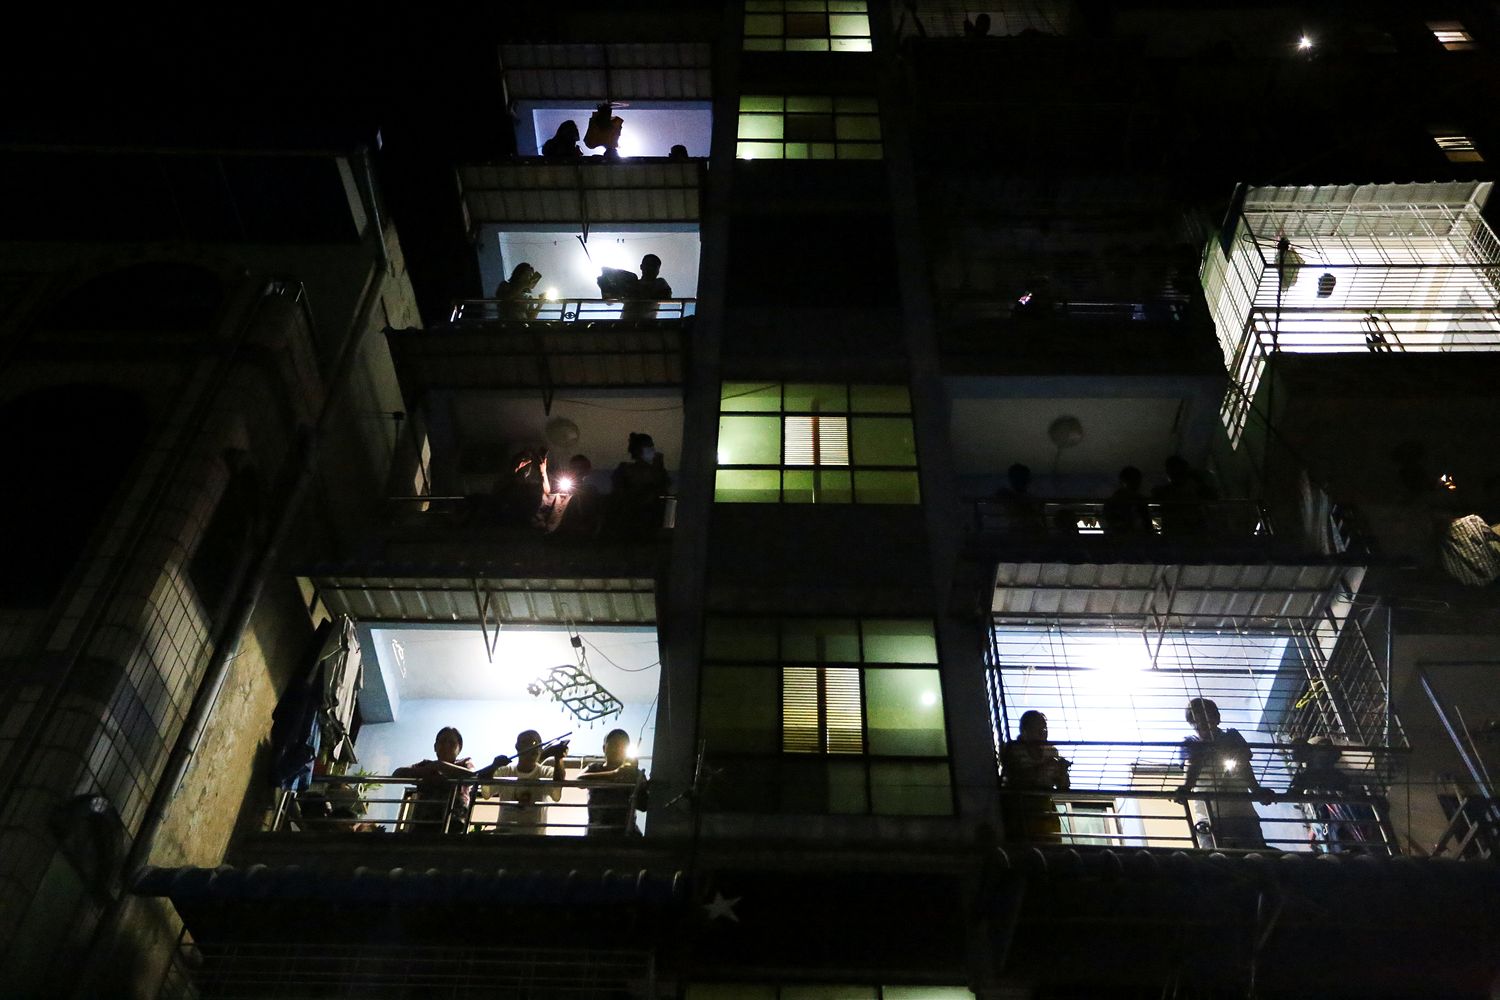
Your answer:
<point x="1304" y="43"/>
<point x="550" y="293"/>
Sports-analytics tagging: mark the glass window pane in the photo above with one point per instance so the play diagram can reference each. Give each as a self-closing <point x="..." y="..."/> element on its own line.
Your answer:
<point x="763" y="45"/>
<point x="843" y="730"/>
<point x="822" y="992"/>
<point x="848" y="6"/>
<point x="820" y="640"/>
<point x="901" y="788"/>
<point x="851" y="127"/>
<point x="800" y="729"/>
<point x="817" y="486"/>
<point x="747" y="486"/>
<point x="886" y="487"/>
<point x="899" y="640"/>
<point x="846" y="788"/>
<point x="749" y="440"/>
<point x="758" y="150"/>
<point x="743" y="397"/>
<point x="807" y="45"/>
<point x="760" y="127"/>
<point x="796" y="151"/>
<point x="904" y="712"/>
<point x="810" y="397"/>
<point x="804" y="6"/>
<point x="851" y="45"/>
<point x="734" y="991"/>
<point x="864" y="104"/>
<point x="848" y="24"/>
<point x="760" y="103"/>
<point x="810" y="104"/>
<point x="817" y="785"/>
<point x="879" y="398"/>
<point x="743" y="784"/>
<point x="860" y="151"/>
<point x="740" y="639"/>
<point x="809" y="127"/>
<point x="927" y="993"/>
<point x="816" y="440"/>
<point x="739" y="709"/>
<point x="820" y="151"/>
<point x="764" y="5"/>
<point x="762" y="24"/>
<point x="883" y="441"/>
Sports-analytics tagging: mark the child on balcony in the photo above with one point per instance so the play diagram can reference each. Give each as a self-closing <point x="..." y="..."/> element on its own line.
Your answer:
<point x="435" y="789"/>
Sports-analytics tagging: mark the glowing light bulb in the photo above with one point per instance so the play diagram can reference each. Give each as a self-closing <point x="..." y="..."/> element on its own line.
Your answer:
<point x="929" y="698"/>
<point x="632" y="751"/>
<point x="1229" y="764"/>
<point x="1447" y="482"/>
<point x="550" y="293"/>
<point x="564" y="485"/>
<point x="1304" y="43"/>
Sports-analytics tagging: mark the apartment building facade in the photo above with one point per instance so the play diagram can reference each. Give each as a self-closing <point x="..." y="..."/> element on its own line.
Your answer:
<point x="937" y="275"/>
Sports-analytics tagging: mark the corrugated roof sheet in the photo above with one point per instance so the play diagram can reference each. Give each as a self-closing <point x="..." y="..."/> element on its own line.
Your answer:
<point x="602" y="192"/>
<point x="460" y="598"/>
<point x="664" y="71"/>
<point x="1454" y="194"/>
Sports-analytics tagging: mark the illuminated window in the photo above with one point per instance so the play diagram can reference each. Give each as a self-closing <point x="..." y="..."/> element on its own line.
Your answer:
<point x="808" y="128"/>
<point x="1457" y="148"/>
<point x="807" y="26"/>
<point x="816" y="443"/>
<point x="826" y="715"/>
<point x="1451" y="35"/>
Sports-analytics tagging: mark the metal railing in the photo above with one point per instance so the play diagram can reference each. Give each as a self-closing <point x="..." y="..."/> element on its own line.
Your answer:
<point x="572" y="310"/>
<point x="374" y="804"/>
<point x="1201" y="821"/>
<point x="1241" y="519"/>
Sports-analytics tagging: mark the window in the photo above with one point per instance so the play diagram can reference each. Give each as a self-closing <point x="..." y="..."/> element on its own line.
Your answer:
<point x="1456" y="147"/>
<point x="823" y="991"/>
<point x="807" y="26"/>
<point x="816" y="443"/>
<point x="1450" y="35"/>
<point x="808" y="128"/>
<point x="826" y="715"/>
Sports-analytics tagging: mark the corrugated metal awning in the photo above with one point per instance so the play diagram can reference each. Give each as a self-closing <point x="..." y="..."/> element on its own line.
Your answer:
<point x="662" y="71"/>
<point x="575" y="193"/>
<point x="474" y="599"/>
<point x="1454" y="194"/>
<point x="1194" y="596"/>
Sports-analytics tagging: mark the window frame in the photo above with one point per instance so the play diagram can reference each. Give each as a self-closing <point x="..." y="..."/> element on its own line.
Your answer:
<point x="761" y="127"/>
<point x="828" y="41"/>
<point x="778" y="762"/>
<point x="853" y="419"/>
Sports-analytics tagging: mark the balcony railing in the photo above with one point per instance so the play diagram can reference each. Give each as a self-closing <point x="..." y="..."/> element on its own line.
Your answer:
<point x="375" y="804"/>
<point x="572" y="311"/>
<point x="1130" y="795"/>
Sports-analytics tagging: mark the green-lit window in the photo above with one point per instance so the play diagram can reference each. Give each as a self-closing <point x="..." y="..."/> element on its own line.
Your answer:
<point x="808" y="128"/>
<point x="807" y="26"/>
<point x="805" y="442"/>
<point x="827" y="715"/>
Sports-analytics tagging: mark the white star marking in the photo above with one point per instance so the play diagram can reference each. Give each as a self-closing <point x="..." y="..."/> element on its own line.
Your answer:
<point x="721" y="907"/>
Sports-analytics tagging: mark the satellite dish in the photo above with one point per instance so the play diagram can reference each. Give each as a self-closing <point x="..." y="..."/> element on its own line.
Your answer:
<point x="1066" y="432"/>
<point x="562" y="433"/>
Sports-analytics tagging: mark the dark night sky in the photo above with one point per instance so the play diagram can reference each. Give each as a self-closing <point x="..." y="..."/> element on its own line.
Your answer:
<point x="327" y="77"/>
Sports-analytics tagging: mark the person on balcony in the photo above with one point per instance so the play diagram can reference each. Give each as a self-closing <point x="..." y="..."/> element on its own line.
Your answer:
<point x="564" y="143"/>
<point x="515" y="295"/>
<point x="638" y="486"/>
<point x="1345" y="826"/>
<point x="523" y="802"/>
<point x="642" y="297"/>
<point x="1020" y="512"/>
<point x="585" y="510"/>
<point x="436" y="789"/>
<point x="1183" y="499"/>
<point x="1030" y="770"/>
<point x="1126" y="512"/>
<point x="1219" y="762"/>
<point x="612" y="809"/>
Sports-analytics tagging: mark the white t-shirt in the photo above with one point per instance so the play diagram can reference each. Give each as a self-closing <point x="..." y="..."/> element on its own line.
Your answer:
<point x="524" y="806"/>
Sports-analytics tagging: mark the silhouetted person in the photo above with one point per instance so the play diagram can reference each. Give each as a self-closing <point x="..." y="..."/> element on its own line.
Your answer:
<point x="1182" y="499"/>
<point x="1347" y="826"/>
<point x="1126" y="511"/>
<point x="519" y="490"/>
<point x="1019" y="510"/>
<point x="642" y="297"/>
<point x="636" y="499"/>
<point x="564" y="143"/>
<point x="585" y="510"/>
<point x="679" y="152"/>
<point x="1030" y="770"/>
<point x="516" y="300"/>
<point x="604" y="131"/>
<point x="977" y="28"/>
<point x="1219" y="761"/>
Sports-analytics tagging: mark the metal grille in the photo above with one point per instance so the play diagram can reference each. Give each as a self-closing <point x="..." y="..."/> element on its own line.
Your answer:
<point x="228" y="971"/>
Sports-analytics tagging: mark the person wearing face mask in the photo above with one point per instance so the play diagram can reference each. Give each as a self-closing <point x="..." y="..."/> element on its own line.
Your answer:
<point x="638" y="486"/>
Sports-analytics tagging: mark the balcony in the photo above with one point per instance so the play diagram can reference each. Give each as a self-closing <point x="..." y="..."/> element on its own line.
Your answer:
<point x="567" y="343"/>
<point x="1389" y="269"/>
